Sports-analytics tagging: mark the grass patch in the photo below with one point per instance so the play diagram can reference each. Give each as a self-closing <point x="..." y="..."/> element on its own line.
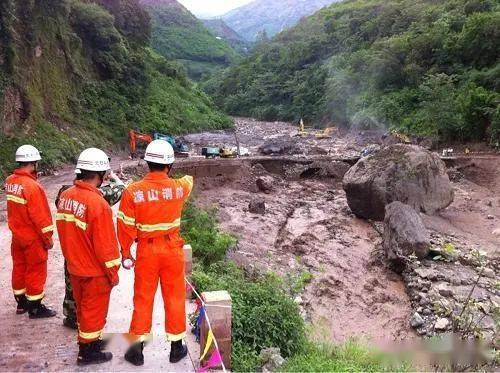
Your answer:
<point x="349" y="357"/>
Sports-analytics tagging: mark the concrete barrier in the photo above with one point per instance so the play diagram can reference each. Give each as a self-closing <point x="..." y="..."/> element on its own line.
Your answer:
<point x="218" y="308"/>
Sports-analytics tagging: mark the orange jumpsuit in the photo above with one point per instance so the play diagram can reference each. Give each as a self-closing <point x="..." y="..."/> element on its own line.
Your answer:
<point x="30" y="222"/>
<point x="150" y="212"/>
<point x="88" y="241"/>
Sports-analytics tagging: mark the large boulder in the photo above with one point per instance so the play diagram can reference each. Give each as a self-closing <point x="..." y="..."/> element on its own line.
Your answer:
<point x="405" y="173"/>
<point x="404" y="235"/>
<point x="280" y="146"/>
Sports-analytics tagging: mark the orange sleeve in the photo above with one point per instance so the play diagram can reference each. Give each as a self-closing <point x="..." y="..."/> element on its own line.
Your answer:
<point x="127" y="231"/>
<point x="187" y="185"/>
<point x="39" y="212"/>
<point x="104" y="237"/>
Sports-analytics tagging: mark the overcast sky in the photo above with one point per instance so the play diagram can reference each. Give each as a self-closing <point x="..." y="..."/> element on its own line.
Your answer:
<point x="212" y="8"/>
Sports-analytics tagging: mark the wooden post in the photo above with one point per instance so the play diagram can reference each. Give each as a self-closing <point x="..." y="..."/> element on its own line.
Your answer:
<point x="188" y="268"/>
<point x="218" y="308"/>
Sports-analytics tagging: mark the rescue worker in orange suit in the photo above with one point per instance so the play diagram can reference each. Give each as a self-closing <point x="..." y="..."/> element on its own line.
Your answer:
<point x="88" y="241"/>
<point x="150" y="213"/>
<point x="30" y="222"/>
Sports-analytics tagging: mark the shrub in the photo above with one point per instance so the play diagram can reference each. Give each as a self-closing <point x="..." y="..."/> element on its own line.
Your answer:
<point x="263" y="314"/>
<point x="200" y="230"/>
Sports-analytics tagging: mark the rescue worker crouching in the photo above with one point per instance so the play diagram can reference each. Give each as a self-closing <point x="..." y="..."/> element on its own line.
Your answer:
<point x="150" y="213"/>
<point x="86" y="231"/>
<point x="31" y="225"/>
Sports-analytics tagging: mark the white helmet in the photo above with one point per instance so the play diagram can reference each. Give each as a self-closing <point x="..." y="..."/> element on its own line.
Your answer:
<point x="27" y="153"/>
<point x="159" y="151"/>
<point x="92" y="159"/>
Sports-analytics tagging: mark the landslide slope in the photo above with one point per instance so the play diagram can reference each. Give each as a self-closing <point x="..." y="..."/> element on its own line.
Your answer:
<point x="271" y="16"/>
<point x="428" y="68"/>
<point x="178" y="35"/>
<point x="75" y="74"/>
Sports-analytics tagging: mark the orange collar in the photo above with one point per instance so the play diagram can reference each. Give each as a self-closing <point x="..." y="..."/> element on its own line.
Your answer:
<point x="83" y="185"/>
<point x="25" y="173"/>
<point x="157" y="175"/>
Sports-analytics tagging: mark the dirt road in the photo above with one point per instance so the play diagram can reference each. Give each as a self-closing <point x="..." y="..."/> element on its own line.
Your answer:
<point x="46" y="345"/>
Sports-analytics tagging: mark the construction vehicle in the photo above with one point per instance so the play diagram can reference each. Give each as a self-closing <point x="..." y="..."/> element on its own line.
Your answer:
<point x="327" y="133"/>
<point x="302" y="129"/>
<point x="134" y="138"/>
<point x="224" y="152"/>
<point x="401" y="137"/>
<point x="180" y="148"/>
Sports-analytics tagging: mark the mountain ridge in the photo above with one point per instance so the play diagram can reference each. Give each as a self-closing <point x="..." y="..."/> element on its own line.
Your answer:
<point x="271" y="16"/>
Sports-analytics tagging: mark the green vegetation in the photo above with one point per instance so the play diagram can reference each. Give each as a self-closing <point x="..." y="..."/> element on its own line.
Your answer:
<point x="349" y="357"/>
<point x="82" y="75"/>
<point x="264" y="313"/>
<point x="178" y="35"/>
<point x="200" y="230"/>
<point x="427" y="68"/>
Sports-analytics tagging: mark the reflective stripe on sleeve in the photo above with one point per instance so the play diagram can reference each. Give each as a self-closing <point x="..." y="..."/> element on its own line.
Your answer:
<point x="50" y="228"/>
<point x="113" y="263"/>
<point x="19" y="292"/>
<point x="35" y="297"/>
<point x="126" y="219"/>
<point x="70" y="218"/>
<point x="16" y="199"/>
<point x="159" y="227"/>
<point x="175" y="337"/>
<point x="90" y="335"/>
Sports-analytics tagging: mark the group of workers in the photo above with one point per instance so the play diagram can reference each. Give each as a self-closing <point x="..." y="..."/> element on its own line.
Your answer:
<point x="149" y="214"/>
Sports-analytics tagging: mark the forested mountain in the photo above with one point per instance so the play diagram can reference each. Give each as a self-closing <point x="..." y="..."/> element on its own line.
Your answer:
<point x="425" y="67"/>
<point x="179" y="35"/>
<point x="80" y="73"/>
<point x="221" y="29"/>
<point x="269" y="17"/>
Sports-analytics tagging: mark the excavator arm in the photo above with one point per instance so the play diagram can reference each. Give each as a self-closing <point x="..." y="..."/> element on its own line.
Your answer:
<point x="134" y="137"/>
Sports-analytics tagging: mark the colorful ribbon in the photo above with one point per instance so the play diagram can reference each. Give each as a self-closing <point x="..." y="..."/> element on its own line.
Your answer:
<point x="210" y="340"/>
<point x="215" y="360"/>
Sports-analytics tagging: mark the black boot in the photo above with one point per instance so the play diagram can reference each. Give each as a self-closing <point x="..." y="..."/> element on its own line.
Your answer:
<point x="90" y="354"/>
<point x="70" y="323"/>
<point x="22" y="304"/>
<point x="102" y="344"/>
<point x="134" y="354"/>
<point x="178" y="351"/>
<point x="37" y="310"/>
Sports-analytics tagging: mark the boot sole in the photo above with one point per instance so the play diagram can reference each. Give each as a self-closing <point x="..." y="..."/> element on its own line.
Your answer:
<point x="21" y="312"/>
<point x="177" y="359"/>
<point x="82" y="363"/>
<point x="136" y="363"/>
<point x="41" y="316"/>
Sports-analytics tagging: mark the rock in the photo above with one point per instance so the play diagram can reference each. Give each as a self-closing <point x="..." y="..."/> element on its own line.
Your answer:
<point x="404" y="235"/>
<point x="416" y="320"/>
<point x="488" y="272"/>
<point x="426" y="312"/>
<point x="405" y="173"/>
<point x="496" y="232"/>
<point x="490" y="217"/>
<point x="283" y="145"/>
<point x="442" y="324"/>
<point x="298" y="299"/>
<point x="257" y="206"/>
<point x="444" y="290"/>
<point x="3" y="217"/>
<point x="265" y="184"/>
<point x="271" y="359"/>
